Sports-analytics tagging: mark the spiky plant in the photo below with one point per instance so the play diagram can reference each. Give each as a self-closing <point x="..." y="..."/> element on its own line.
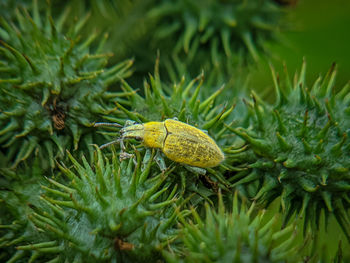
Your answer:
<point x="218" y="27"/>
<point x="237" y="236"/>
<point x="19" y="193"/>
<point x="110" y="211"/>
<point x="123" y="19"/>
<point x="298" y="149"/>
<point x="8" y="7"/>
<point x="182" y="101"/>
<point x="52" y="86"/>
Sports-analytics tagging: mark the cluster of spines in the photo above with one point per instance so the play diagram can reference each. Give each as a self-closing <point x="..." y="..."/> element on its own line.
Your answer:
<point x="240" y="26"/>
<point x="19" y="192"/>
<point x="109" y="210"/>
<point x="297" y="150"/>
<point x="237" y="236"/>
<point x="51" y="83"/>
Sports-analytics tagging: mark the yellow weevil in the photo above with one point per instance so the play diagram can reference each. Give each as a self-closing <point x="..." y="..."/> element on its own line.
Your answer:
<point x="178" y="141"/>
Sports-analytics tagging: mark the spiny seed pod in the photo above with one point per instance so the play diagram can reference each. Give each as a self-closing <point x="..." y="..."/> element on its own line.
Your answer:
<point x="238" y="236"/>
<point x="110" y="211"/>
<point x="220" y="27"/>
<point x="299" y="149"/>
<point x="51" y="87"/>
<point x="19" y="193"/>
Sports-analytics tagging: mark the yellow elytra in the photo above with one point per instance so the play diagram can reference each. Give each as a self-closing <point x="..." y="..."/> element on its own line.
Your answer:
<point x="179" y="142"/>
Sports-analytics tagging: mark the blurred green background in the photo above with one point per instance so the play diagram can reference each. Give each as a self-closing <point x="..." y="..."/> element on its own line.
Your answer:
<point x="320" y="32"/>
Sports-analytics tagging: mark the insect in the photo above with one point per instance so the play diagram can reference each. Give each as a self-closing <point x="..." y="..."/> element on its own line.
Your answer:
<point x="178" y="141"/>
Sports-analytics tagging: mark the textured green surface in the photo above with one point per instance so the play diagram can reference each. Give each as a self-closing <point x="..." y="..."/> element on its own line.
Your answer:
<point x="107" y="212"/>
<point x="298" y="149"/>
<point x="60" y="73"/>
<point x="52" y="87"/>
<point x="237" y="236"/>
<point x="223" y="27"/>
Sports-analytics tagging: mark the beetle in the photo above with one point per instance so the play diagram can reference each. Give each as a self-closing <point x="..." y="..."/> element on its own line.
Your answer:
<point x="178" y="141"/>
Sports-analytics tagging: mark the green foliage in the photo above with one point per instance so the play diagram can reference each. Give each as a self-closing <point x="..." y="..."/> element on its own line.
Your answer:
<point x="221" y="28"/>
<point x="298" y="149"/>
<point x="19" y="195"/>
<point x="8" y="7"/>
<point x="52" y="87"/>
<point x="238" y="236"/>
<point x="109" y="211"/>
<point x="124" y="20"/>
<point x="57" y="78"/>
<point x="214" y="36"/>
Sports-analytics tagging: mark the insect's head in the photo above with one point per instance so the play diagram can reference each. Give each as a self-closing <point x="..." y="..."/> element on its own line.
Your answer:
<point x="129" y="130"/>
<point x="136" y="131"/>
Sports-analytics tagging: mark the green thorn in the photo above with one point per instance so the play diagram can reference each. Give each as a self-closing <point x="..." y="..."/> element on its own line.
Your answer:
<point x="56" y="192"/>
<point x="210" y="100"/>
<point x="262" y="164"/>
<point x="37" y="245"/>
<point x="341" y="186"/>
<point x="161" y="205"/>
<point x="225" y="39"/>
<point x="290" y="163"/>
<point x="281" y="127"/>
<point x="268" y="186"/>
<point x="283" y="175"/>
<point x="262" y="145"/>
<point x="304" y="128"/>
<point x="247" y="179"/>
<point x="324" y="177"/>
<point x="210" y="123"/>
<point x="307" y="147"/>
<point x="301" y="80"/>
<point x="280" y="96"/>
<point x="336" y="149"/>
<point x="189" y="32"/>
<point x="23" y="60"/>
<point x="11" y="125"/>
<point x="247" y="39"/>
<point x="193" y="99"/>
<point x="328" y="81"/>
<point x="128" y="113"/>
<point x="327" y="198"/>
<point x="307" y="185"/>
<point x="319" y="147"/>
<point x="27" y="128"/>
<point x="283" y="142"/>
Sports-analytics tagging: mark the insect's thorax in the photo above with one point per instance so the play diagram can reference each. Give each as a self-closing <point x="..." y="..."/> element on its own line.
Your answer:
<point x="154" y="134"/>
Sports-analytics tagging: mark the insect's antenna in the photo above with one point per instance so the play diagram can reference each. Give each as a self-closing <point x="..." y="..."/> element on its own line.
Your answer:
<point x="109" y="143"/>
<point x="97" y="124"/>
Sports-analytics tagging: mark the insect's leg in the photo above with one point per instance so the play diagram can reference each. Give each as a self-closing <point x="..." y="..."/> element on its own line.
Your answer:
<point x="196" y="170"/>
<point x="160" y="160"/>
<point x="124" y="156"/>
<point x="122" y="146"/>
<point x="97" y="124"/>
<point x="108" y="144"/>
<point x="146" y="159"/>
